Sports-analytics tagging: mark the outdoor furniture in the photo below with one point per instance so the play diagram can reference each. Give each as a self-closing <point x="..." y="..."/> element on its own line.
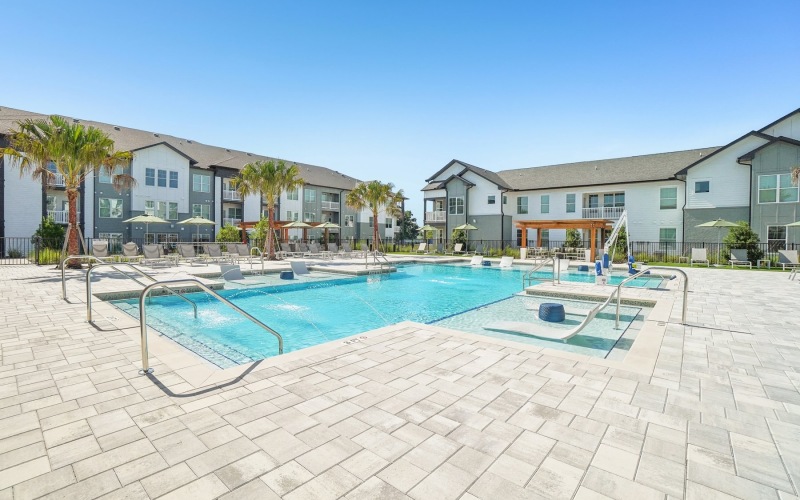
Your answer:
<point x="476" y="260"/>
<point x="506" y="261"/>
<point x="333" y="250"/>
<point x="299" y="268"/>
<point x="767" y="262"/>
<point x="699" y="255"/>
<point x="739" y="258"/>
<point x="788" y="258"/>
<point x="458" y="248"/>
<point x="187" y="254"/>
<point x="152" y="255"/>
<point x="243" y="252"/>
<point x="213" y="252"/>
<point x="100" y="250"/>
<point x="130" y="252"/>
<point x="423" y="248"/>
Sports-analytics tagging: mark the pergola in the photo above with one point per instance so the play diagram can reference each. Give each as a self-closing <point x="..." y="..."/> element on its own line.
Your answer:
<point x="591" y="224"/>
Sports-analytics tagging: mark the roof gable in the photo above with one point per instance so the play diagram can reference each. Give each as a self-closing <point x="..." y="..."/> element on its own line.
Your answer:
<point x="192" y="161"/>
<point x="482" y="172"/>
<point x="746" y="158"/>
<point x="684" y="170"/>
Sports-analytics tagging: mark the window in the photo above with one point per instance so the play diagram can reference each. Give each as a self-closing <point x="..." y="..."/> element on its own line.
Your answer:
<point x="776" y="238"/>
<point x="545" y="203"/>
<point x="105" y="177"/>
<point x="150" y="177"/>
<point x="309" y="217"/>
<point x="173" y="179"/>
<point x="702" y="186"/>
<point x="162" y="178"/>
<point x="455" y="206"/>
<point x="110" y="208"/>
<point x="51" y="203"/>
<point x="309" y="195"/>
<point x="505" y="200"/>
<point x="201" y="183"/>
<point x="201" y="238"/>
<point x="571" y="203"/>
<point x="349" y="220"/>
<point x="594" y="201"/>
<point x="114" y="241"/>
<point x="291" y="194"/>
<point x="667" y="236"/>
<point x="200" y="210"/>
<point x="776" y="188"/>
<point x="669" y="198"/>
<point x="522" y="204"/>
<point x="163" y="209"/>
<point x="545" y="237"/>
<point x="490" y="200"/>
<point x="370" y="221"/>
<point x="519" y="236"/>
<point x="614" y="199"/>
<point x="234" y="213"/>
<point x="388" y="223"/>
<point x="292" y="216"/>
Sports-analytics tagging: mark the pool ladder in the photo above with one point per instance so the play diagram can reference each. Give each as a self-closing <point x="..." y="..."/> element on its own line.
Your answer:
<point x="528" y="278"/>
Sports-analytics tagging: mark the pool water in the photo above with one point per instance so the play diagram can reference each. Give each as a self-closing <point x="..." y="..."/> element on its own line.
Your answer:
<point x="310" y="313"/>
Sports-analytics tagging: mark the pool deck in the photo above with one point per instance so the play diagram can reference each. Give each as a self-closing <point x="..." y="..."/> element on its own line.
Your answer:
<point x="705" y="410"/>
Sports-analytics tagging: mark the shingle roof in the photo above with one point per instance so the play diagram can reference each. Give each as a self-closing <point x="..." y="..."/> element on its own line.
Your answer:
<point x="486" y="174"/>
<point x="660" y="166"/>
<point x="201" y="155"/>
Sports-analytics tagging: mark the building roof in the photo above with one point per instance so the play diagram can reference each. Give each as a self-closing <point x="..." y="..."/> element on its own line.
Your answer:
<point x="200" y="155"/>
<point x="486" y="174"/>
<point x="747" y="158"/>
<point x="753" y="133"/>
<point x="644" y="168"/>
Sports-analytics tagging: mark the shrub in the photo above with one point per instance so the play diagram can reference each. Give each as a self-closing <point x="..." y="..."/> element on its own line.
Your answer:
<point x="742" y="236"/>
<point x="52" y="234"/>
<point x="574" y="239"/>
<point x="15" y="254"/>
<point x="46" y="256"/>
<point x="229" y="233"/>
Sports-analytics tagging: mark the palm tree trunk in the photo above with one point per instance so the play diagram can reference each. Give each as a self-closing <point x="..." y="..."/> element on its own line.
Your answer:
<point x="271" y="232"/>
<point x="374" y="231"/>
<point x="72" y="245"/>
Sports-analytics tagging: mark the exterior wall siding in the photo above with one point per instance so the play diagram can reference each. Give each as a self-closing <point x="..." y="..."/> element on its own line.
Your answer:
<point x="22" y="205"/>
<point x="778" y="158"/>
<point x="201" y="198"/>
<point x="692" y="218"/>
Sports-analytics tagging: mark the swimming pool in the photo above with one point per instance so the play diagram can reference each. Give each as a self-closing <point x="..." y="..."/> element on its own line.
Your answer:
<point x="310" y="313"/>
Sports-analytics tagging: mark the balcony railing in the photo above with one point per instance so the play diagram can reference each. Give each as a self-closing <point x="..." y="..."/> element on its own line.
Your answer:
<point x="330" y="205"/>
<point x="603" y="212"/>
<point x="437" y="216"/>
<point x="61" y="216"/>
<point x="227" y="221"/>
<point x="231" y="195"/>
<point x="56" y="180"/>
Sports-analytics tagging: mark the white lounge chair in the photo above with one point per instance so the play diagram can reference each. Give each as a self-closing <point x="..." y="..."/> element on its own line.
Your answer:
<point x="423" y="248"/>
<point x="130" y="252"/>
<point x="152" y="255"/>
<point x="233" y="273"/>
<point x="100" y="250"/>
<point x="699" y="255"/>
<point x="477" y="260"/>
<point x="213" y="252"/>
<point x="187" y="254"/>
<point x="299" y="268"/>
<point x="788" y="258"/>
<point x="739" y="258"/>
<point x="506" y="261"/>
<point x="458" y="248"/>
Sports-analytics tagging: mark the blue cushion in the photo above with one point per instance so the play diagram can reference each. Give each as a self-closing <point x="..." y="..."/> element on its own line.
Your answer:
<point x="552" y="312"/>
<point x="583" y="268"/>
<point x="287" y="275"/>
<point x="487" y="263"/>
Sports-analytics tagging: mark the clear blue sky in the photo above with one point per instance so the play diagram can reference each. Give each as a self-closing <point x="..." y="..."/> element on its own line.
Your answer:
<point x="394" y="90"/>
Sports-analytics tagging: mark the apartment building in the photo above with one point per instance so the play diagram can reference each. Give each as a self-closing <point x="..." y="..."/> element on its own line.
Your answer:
<point x="666" y="195"/>
<point x="177" y="178"/>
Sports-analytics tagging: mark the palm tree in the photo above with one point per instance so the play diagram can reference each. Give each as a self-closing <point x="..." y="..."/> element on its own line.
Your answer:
<point x="375" y="195"/>
<point x="269" y="179"/>
<point x="76" y="152"/>
<point x="796" y="175"/>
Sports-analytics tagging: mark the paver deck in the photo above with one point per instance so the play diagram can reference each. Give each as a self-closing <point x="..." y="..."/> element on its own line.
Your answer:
<point x="707" y="410"/>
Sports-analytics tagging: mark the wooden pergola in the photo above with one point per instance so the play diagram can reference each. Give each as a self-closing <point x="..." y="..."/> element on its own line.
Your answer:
<point x="591" y="224"/>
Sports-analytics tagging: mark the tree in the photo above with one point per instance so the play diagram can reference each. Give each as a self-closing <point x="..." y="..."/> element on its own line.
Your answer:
<point x="51" y="234"/>
<point x="229" y="234"/>
<point x="574" y="239"/>
<point x="374" y="196"/>
<point x="742" y="236"/>
<point x="75" y="151"/>
<point x="408" y="226"/>
<point x="268" y="179"/>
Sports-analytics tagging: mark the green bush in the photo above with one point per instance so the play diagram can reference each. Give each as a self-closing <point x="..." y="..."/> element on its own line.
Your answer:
<point x="15" y="254"/>
<point x="574" y="239"/>
<point x="52" y="234"/>
<point x="742" y="236"/>
<point x="46" y="256"/>
<point x="229" y="233"/>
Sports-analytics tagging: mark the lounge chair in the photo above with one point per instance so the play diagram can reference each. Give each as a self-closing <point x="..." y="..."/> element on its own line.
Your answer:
<point x="788" y="258"/>
<point x="699" y="255"/>
<point x="478" y="250"/>
<point x="506" y="261"/>
<point x="100" y="250"/>
<point x="423" y="248"/>
<point x="299" y="268"/>
<point x="477" y="260"/>
<point x="458" y="248"/>
<point x="739" y="258"/>
<point x="213" y="252"/>
<point x="130" y="252"/>
<point x="333" y="251"/>
<point x="347" y="251"/>
<point x="187" y="254"/>
<point x="243" y="252"/>
<point x="439" y="248"/>
<point x="152" y="255"/>
<point x="233" y="273"/>
<point x="313" y="251"/>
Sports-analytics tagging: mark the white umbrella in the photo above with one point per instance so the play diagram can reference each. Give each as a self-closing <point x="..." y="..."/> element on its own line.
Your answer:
<point x="198" y="221"/>
<point x="719" y="224"/>
<point x="465" y="228"/>
<point x="146" y="220"/>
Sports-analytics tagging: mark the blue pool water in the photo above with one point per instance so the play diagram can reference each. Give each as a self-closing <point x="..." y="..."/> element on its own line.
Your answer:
<point x="310" y="313"/>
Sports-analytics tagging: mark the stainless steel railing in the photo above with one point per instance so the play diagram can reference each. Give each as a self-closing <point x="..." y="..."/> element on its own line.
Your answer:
<point x="641" y="273"/>
<point x="528" y="278"/>
<point x="143" y="316"/>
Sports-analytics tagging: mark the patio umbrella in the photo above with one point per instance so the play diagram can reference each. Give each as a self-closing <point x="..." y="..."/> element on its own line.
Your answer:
<point x="326" y="226"/>
<point x="198" y="221"/>
<point x="146" y="220"/>
<point x="465" y="228"/>
<point x="298" y="225"/>
<point x="425" y="229"/>
<point x="719" y="224"/>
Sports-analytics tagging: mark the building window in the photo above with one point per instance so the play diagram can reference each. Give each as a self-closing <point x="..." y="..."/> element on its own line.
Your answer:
<point x="522" y="204"/>
<point x="110" y="208"/>
<point x="108" y="178"/>
<point x="545" y="203"/>
<point x="291" y="194"/>
<point x="370" y="223"/>
<point x="201" y="238"/>
<point x="490" y="200"/>
<point x="201" y="183"/>
<point x="776" y="188"/>
<point x="51" y="203"/>
<point x="667" y="236"/>
<point x="505" y="200"/>
<point x="162" y="178"/>
<point x="114" y="241"/>
<point x="173" y="179"/>
<point x="292" y="216"/>
<point x="776" y="238"/>
<point x="455" y="206"/>
<point x="349" y="220"/>
<point x="150" y="177"/>
<point x="164" y="209"/>
<point x="309" y="217"/>
<point x="200" y="210"/>
<point x="234" y="213"/>
<point x="702" y="186"/>
<point x="545" y="237"/>
<point x="571" y="203"/>
<point x="388" y="223"/>
<point x="519" y="237"/>
<point x="309" y="195"/>
<point x="669" y="198"/>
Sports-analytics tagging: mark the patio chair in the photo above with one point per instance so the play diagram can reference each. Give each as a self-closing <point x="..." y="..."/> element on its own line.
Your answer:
<point x="699" y="255"/>
<point x="739" y="258"/>
<point x="313" y="251"/>
<point x="347" y="251"/>
<point x="130" y="252"/>
<point x="506" y="261"/>
<point x="333" y="250"/>
<point x="477" y="260"/>
<point x="478" y="250"/>
<point x="788" y="259"/>
<point x="213" y="252"/>
<point x="458" y="249"/>
<point x="100" y="250"/>
<point x="299" y="268"/>
<point x="440" y="248"/>
<point x="152" y="255"/>
<point x="233" y="273"/>
<point x="243" y="253"/>
<point x="187" y="254"/>
<point x="423" y="248"/>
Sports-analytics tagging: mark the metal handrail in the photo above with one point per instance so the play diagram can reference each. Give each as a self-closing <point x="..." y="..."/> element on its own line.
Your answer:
<point x="113" y="265"/>
<point x="63" y="274"/>
<point x="528" y="277"/>
<point x="143" y="315"/>
<point x="644" y="271"/>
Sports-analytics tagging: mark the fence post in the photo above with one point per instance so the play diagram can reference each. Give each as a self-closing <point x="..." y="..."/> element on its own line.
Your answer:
<point x="37" y="243"/>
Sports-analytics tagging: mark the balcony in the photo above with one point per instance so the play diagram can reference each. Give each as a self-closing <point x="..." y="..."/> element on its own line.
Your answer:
<point x="603" y="212"/>
<point x="231" y="195"/>
<point x="230" y="222"/>
<point x="330" y="205"/>
<point x="56" y="180"/>
<point x="61" y="216"/>
<point x="437" y="216"/>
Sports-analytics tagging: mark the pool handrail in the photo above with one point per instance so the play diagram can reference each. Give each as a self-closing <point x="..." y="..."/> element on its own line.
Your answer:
<point x="63" y="268"/>
<point x="189" y="281"/>
<point x="528" y="276"/>
<point x="645" y="271"/>
<point x="113" y="265"/>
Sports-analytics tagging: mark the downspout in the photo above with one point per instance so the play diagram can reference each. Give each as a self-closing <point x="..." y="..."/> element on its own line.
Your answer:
<point x="502" y="221"/>
<point x="683" y="209"/>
